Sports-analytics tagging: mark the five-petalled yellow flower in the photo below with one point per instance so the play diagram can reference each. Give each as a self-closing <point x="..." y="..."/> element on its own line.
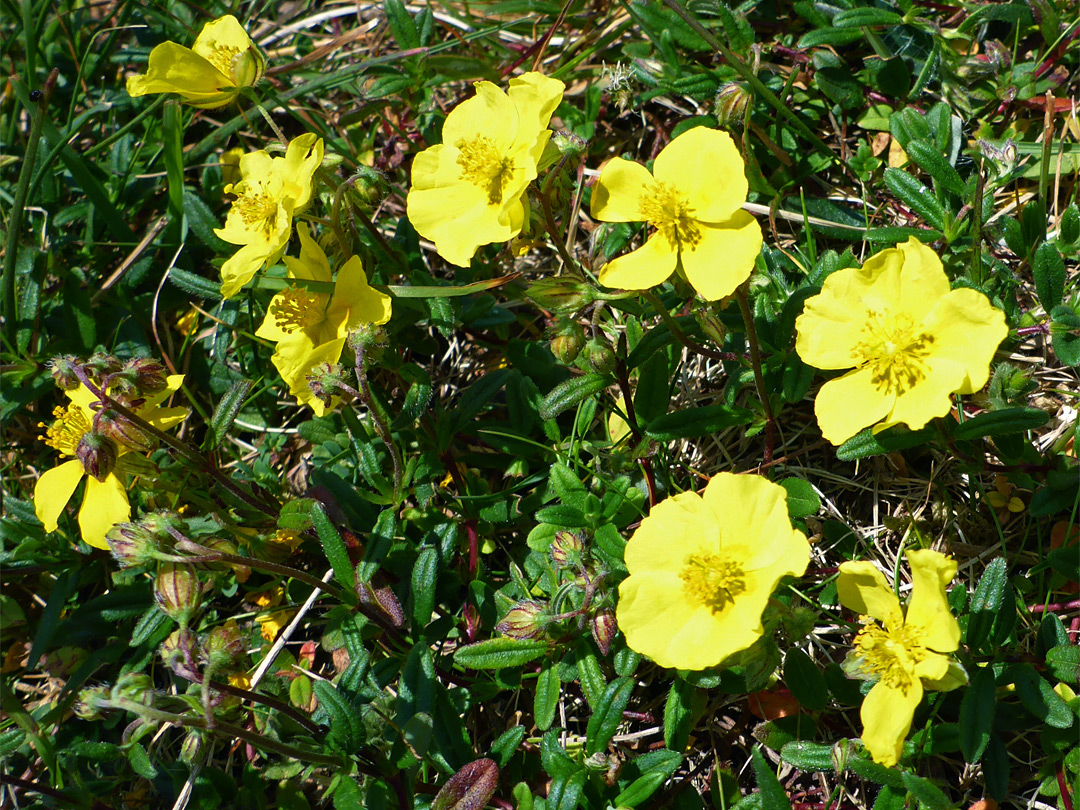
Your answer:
<point x="906" y="652"/>
<point x="105" y="502"/>
<point x="310" y="327"/>
<point x="693" y="200"/>
<point x="469" y="190"/>
<point x="270" y="191"/>
<point x="702" y="568"/>
<point x="210" y="73"/>
<point x="913" y="342"/>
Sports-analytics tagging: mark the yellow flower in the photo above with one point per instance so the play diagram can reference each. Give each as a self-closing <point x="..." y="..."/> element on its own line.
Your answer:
<point x="270" y="192"/>
<point x="912" y="340"/>
<point x="905" y="652"/>
<point x="310" y="327"/>
<point x="210" y="73"/>
<point x="105" y="502"/>
<point x="468" y="191"/>
<point x="693" y="199"/>
<point x="702" y="568"/>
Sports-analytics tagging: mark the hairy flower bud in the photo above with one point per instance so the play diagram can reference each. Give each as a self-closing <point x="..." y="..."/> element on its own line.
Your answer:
<point x="143" y="375"/>
<point x="177" y="591"/>
<point x="567" y="340"/>
<point x="562" y="296"/>
<point x="135" y="686"/>
<point x="525" y="621"/>
<point x="604" y="628"/>
<point x="102" y="363"/>
<point x="224" y="647"/>
<point x="324" y="380"/>
<point x="90" y="701"/>
<point x="98" y="454"/>
<point x="566" y="548"/>
<point x="111" y="424"/>
<point x="132" y="544"/>
<point x="569" y="144"/>
<point x="63" y="370"/>
<point x="600" y="356"/>
<point x="710" y="323"/>
<point x="730" y="106"/>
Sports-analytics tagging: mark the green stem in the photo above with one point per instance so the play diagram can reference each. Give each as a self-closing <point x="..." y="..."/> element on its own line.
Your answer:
<point x="549" y="218"/>
<point x="680" y="335"/>
<point x="18" y="207"/>
<point x="382" y="424"/>
<point x="755" y="362"/>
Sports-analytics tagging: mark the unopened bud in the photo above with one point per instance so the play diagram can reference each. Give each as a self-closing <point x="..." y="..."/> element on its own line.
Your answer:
<point x="101" y="364"/>
<point x="566" y="548"/>
<point x="90" y="702"/>
<point x="224" y="647"/>
<point x="710" y="323"/>
<point x="567" y="340"/>
<point x="145" y="375"/>
<point x="63" y="370"/>
<point x="324" y="380"/>
<point x="569" y="144"/>
<point x="526" y="621"/>
<point x="177" y="651"/>
<point x="841" y="753"/>
<point x="730" y="106"/>
<point x="597" y="761"/>
<point x="600" y="356"/>
<point x="132" y="544"/>
<point x="562" y="296"/>
<point x="604" y="628"/>
<point x="97" y="454"/>
<point x="135" y="686"/>
<point x="248" y="66"/>
<point x="177" y="591"/>
<point x="370" y="337"/>
<point x="1003" y="158"/>
<point x="110" y="423"/>
<point x="192" y="749"/>
<point x="368" y="188"/>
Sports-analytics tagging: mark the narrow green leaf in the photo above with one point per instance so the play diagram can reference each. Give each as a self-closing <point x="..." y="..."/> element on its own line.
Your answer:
<point x="1064" y="662"/>
<point x="202" y="222"/>
<point x="334" y="548"/>
<point x="916" y="196"/>
<point x="866" y="16"/>
<point x="1048" y="270"/>
<point x="1039" y="698"/>
<point x="802" y="500"/>
<point x="499" y="653"/>
<point x="808" y="756"/>
<point x="569" y="393"/>
<point x="868" y="443"/>
<point x="653" y="389"/>
<point x="928" y="794"/>
<point x="985" y="603"/>
<point x="402" y="25"/>
<point x="773" y="795"/>
<point x="694" y="422"/>
<point x="678" y="715"/>
<point x="641" y="789"/>
<point x="140" y="761"/>
<point x="226" y="411"/>
<point x="591" y="677"/>
<point x="346" y="728"/>
<point x="507" y="743"/>
<point x="195" y="285"/>
<point x="607" y="716"/>
<point x="977" y="714"/>
<point x="425" y="575"/>
<point x="546" y="700"/>
<point x="803" y="677"/>
<point x="935" y="164"/>
<point x="1001" y="423"/>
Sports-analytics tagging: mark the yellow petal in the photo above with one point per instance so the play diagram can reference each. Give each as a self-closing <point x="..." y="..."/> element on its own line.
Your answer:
<point x="296" y="358"/>
<point x="302" y="157"/>
<point x="269" y="329"/>
<point x="675" y="528"/>
<point x="886" y="716"/>
<point x="916" y="282"/>
<point x="928" y="610"/>
<point x="932" y="668"/>
<point x="535" y="96"/>
<point x="848" y="404"/>
<point x="242" y="266"/>
<point x="54" y="489"/>
<point x="173" y="68"/>
<point x="650" y="613"/>
<point x="488" y="114"/>
<point x="706" y="167"/>
<point x="354" y="301"/>
<point x="618" y="192"/>
<point x="312" y="264"/>
<point x="224" y="41"/>
<point x="105" y="503"/>
<point x="967" y="329"/>
<point x="724" y="257"/>
<point x="863" y="589"/>
<point x="832" y="322"/>
<point x="928" y="398"/>
<point x="649" y="265"/>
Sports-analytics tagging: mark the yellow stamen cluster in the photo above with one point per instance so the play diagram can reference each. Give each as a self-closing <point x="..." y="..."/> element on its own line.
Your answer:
<point x="712" y="580"/>
<point x="223" y="57"/>
<point x="67" y="430"/>
<point x="890" y="652"/>
<point x="894" y="351"/>
<point x="296" y="309"/>
<point x="257" y="209"/>
<point x="670" y="213"/>
<point x="482" y="164"/>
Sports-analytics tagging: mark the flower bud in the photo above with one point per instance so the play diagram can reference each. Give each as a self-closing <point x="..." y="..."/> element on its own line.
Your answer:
<point x="566" y="548"/>
<point x="1003" y="158"/>
<point x="177" y="591"/>
<point x="63" y="370"/>
<point x="135" y="686"/>
<point x="567" y="339"/>
<point x="145" y="375"/>
<point x="132" y="544"/>
<point x="248" y="66"/>
<point x="525" y="621"/>
<point x="224" y="647"/>
<point x="192" y="749"/>
<point x="599" y="356"/>
<point x="176" y="651"/>
<point x="562" y="296"/>
<point x="324" y="380"/>
<point x="604" y="628"/>
<point x="101" y="364"/>
<point x="111" y="424"/>
<point x="97" y="454"/>
<point x="710" y="323"/>
<point x="569" y="144"/>
<point x="90" y="701"/>
<point x="730" y="106"/>
<point x="370" y="337"/>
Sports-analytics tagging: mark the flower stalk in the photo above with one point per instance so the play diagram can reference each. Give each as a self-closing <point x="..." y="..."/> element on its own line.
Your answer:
<point x="759" y="377"/>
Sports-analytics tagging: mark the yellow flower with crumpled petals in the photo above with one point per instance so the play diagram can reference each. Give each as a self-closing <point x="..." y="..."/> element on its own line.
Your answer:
<point x="270" y="192"/>
<point x="309" y="327"/>
<point x="912" y="340"/>
<point x="906" y="652"/>
<point x="210" y="73"/>
<point x="469" y="190"/>
<point x="693" y="199"/>
<point x="702" y="568"/>
<point x="105" y="502"/>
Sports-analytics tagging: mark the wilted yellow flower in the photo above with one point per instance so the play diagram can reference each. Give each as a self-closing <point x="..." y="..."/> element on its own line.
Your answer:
<point x="702" y="568"/>
<point x="105" y="502"/>
<point x="270" y="192"/>
<point x="210" y="73"/>
<point x="310" y="327"/>
<point x="912" y="340"/>
<point x="693" y="199"/>
<point x="468" y="191"/>
<point x="906" y="653"/>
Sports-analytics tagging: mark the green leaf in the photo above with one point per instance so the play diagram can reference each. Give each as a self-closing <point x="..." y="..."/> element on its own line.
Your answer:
<point x="803" y="677"/>
<point x="986" y="602"/>
<point x="225" y="412"/>
<point x="928" y="794"/>
<point x="808" y="756"/>
<point x="641" y="789"/>
<point x="1064" y="662"/>
<point x="935" y="164"/>
<point x="829" y="36"/>
<point x="867" y="443"/>
<point x="1070" y="225"/>
<point x="977" y="714"/>
<point x="202" y="222"/>
<point x="569" y="393"/>
<point x="425" y="576"/>
<point x="897" y="234"/>
<point x="566" y="516"/>
<point x="565" y="793"/>
<point x="1001" y="423"/>
<point x="557" y="763"/>
<point x="504" y="747"/>
<point x="402" y="25"/>
<point x="1065" y="334"/>
<point x="1038" y="697"/>
<point x="546" y="699"/>
<point x="653" y="389"/>
<point x="802" y="500"/>
<point x="499" y="653"/>
<point x="140" y="761"/>
<point x="865" y="17"/>
<point x="195" y="285"/>
<point x="591" y="677"/>
<point x="868" y="769"/>
<point x="607" y="716"/>
<point x="916" y="196"/>
<point x="773" y="795"/>
<point x="697" y="422"/>
<point x="346" y="728"/>
<point x="334" y="548"/>
<point x="678" y="715"/>
<point x="1048" y="270"/>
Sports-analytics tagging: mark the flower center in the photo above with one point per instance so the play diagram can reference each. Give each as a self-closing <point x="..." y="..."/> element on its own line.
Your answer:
<point x="223" y="57"/>
<point x="67" y="431"/>
<point x="712" y="580"/>
<point x="258" y="210"/>
<point x="482" y="165"/>
<point x="889" y="652"/>
<point x="296" y="309"/>
<point x="670" y="213"/>
<point x="894" y="351"/>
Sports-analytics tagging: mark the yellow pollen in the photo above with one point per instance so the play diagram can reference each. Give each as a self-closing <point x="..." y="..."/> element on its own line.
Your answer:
<point x="894" y="351"/>
<point x="65" y="433"/>
<point x="670" y="213"/>
<point x="258" y="210"/>
<point x="712" y="580"/>
<point x="889" y="652"/>
<point x="482" y="165"/>
<point x="223" y="57"/>
<point x="296" y="309"/>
